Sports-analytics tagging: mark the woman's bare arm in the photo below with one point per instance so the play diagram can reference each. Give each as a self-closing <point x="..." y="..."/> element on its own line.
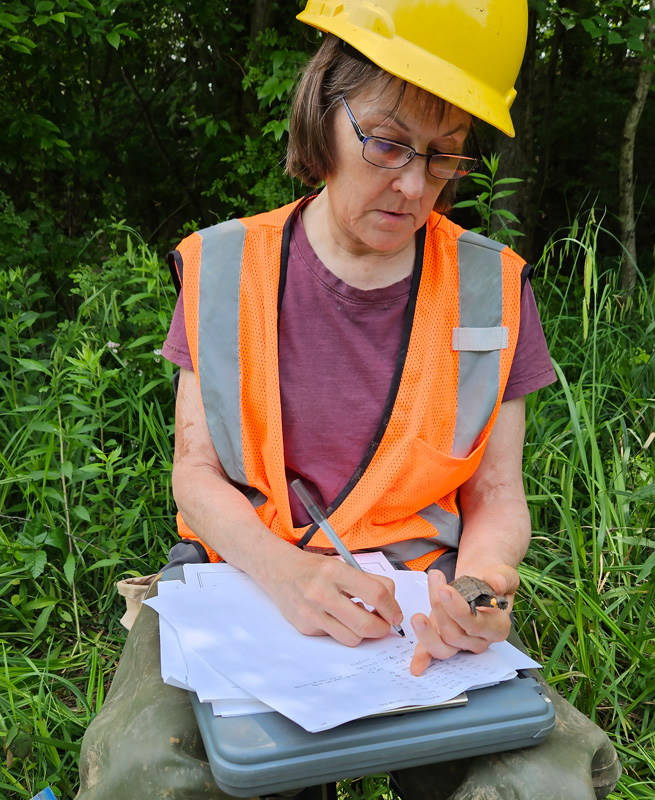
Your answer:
<point x="495" y="537"/>
<point x="313" y="592"/>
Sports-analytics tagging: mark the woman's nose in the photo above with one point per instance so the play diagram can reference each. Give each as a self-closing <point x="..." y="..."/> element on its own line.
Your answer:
<point x="412" y="179"/>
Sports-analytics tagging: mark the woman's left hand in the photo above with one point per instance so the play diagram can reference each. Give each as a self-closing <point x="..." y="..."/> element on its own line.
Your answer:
<point x="452" y="627"/>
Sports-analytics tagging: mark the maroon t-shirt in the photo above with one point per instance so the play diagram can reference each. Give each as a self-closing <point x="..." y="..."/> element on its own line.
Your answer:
<point x="337" y="353"/>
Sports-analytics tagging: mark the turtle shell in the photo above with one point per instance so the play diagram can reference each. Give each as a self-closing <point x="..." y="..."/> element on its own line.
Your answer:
<point x="478" y="593"/>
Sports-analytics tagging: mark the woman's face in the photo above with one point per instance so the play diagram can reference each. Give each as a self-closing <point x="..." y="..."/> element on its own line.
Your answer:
<point x="376" y="210"/>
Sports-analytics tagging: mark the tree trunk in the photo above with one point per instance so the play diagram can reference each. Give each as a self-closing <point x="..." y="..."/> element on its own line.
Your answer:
<point x="626" y="164"/>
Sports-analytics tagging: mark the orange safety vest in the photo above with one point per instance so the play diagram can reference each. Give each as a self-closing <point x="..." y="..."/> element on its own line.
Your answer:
<point x="447" y="388"/>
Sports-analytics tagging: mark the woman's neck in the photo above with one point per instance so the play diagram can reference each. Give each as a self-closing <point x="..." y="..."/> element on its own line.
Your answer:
<point x="355" y="266"/>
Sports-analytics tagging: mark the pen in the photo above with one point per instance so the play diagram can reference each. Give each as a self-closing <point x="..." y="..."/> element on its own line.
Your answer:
<point x="321" y="520"/>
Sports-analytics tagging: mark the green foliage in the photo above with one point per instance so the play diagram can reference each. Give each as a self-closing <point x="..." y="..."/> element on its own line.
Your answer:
<point x="86" y="431"/>
<point x="146" y="111"/>
<point x="589" y="580"/>
<point x="370" y="787"/>
<point x="617" y="22"/>
<point x="253" y="180"/>
<point x="494" y="218"/>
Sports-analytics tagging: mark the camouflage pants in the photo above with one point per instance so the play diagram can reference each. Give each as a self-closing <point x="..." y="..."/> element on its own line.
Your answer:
<point x="145" y="743"/>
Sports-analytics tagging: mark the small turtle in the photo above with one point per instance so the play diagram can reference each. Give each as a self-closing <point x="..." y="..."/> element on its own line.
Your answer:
<point x="478" y="593"/>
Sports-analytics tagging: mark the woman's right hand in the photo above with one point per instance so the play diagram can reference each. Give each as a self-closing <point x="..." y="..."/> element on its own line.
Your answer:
<point x="315" y="592"/>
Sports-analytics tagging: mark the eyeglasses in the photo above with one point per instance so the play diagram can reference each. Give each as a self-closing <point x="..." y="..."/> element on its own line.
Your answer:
<point x="388" y="154"/>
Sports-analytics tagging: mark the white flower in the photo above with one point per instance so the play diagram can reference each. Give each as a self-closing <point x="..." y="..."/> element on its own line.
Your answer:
<point x="113" y="346"/>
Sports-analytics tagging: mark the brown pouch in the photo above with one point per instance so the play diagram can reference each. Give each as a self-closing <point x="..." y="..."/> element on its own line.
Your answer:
<point x="133" y="590"/>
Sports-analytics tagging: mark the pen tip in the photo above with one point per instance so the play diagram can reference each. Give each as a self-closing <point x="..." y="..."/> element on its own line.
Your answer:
<point x="400" y="630"/>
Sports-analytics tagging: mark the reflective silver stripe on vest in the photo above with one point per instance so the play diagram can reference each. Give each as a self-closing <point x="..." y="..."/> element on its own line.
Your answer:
<point x="480" y="339"/>
<point x="480" y="306"/>
<point x="254" y="495"/>
<point x="449" y="527"/>
<point x="218" y="341"/>
<point x="412" y="548"/>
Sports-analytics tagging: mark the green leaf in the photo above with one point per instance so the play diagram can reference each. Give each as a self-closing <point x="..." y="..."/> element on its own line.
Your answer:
<point x="150" y="385"/>
<point x="614" y="37"/>
<point x="636" y="44"/>
<point x="82" y="513"/>
<point x="69" y="568"/>
<point x="41" y="622"/>
<point x="20" y="48"/>
<point x="33" y="534"/>
<point x="506" y="214"/>
<point x="504" y="193"/>
<point x="59" y="17"/>
<point x="36" y="562"/>
<point x="40" y="20"/>
<point x="44" y="5"/>
<point x="30" y="365"/>
<point x="105" y="562"/>
<point x="43" y="427"/>
<point x="57" y="538"/>
<point x="114" y="39"/>
<point x="592" y="29"/>
<point x="20" y="746"/>
<point x="144" y="340"/>
<point x="42" y="602"/>
<point x="465" y="204"/>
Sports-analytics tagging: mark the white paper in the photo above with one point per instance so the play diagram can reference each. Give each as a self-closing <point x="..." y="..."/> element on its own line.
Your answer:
<point x="233" y="625"/>
<point x="187" y="670"/>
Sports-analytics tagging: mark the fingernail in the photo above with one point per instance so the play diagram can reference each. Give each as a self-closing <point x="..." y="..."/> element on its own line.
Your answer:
<point x="445" y="596"/>
<point x="419" y="625"/>
<point x="436" y="576"/>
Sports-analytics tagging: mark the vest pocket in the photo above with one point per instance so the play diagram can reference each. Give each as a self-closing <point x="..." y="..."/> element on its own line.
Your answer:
<point x="428" y="476"/>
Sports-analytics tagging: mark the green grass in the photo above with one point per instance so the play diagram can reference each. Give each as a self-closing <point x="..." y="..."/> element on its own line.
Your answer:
<point x="85" y="459"/>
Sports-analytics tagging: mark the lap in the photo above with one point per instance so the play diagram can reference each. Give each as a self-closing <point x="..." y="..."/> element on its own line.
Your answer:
<point x="145" y="743"/>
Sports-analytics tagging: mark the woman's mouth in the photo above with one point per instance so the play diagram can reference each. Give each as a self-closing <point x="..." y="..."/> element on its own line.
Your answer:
<point x="397" y="216"/>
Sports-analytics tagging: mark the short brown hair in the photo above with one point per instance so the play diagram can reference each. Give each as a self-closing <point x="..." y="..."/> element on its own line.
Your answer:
<point x="338" y="71"/>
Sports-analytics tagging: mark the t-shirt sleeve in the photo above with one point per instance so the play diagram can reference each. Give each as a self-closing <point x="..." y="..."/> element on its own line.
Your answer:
<point x="531" y="368"/>
<point x="176" y="346"/>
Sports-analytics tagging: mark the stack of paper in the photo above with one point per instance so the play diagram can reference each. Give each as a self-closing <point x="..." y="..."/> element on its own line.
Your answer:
<point x="224" y="638"/>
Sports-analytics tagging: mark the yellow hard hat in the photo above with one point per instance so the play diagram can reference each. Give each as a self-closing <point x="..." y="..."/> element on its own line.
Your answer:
<point x="467" y="52"/>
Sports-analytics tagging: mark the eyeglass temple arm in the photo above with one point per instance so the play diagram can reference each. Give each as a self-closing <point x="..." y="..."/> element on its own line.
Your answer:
<point x="478" y="152"/>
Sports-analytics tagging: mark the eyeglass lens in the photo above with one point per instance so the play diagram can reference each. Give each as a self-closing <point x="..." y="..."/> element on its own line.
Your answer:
<point x="393" y="155"/>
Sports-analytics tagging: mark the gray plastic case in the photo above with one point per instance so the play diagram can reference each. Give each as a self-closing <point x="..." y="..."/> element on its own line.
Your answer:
<point x="267" y="753"/>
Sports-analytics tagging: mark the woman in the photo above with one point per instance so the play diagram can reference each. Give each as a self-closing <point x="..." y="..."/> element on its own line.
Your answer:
<point x="360" y="341"/>
<point x="356" y="293"/>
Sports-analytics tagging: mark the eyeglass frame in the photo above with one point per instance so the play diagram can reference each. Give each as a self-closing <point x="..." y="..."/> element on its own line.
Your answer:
<point x="428" y="157"/>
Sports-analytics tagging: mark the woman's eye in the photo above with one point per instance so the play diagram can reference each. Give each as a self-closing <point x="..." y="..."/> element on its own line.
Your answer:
<point x="383" y="147"/>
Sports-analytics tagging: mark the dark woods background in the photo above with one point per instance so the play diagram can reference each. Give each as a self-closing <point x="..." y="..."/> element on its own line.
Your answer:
<point x="173" y="114"/>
